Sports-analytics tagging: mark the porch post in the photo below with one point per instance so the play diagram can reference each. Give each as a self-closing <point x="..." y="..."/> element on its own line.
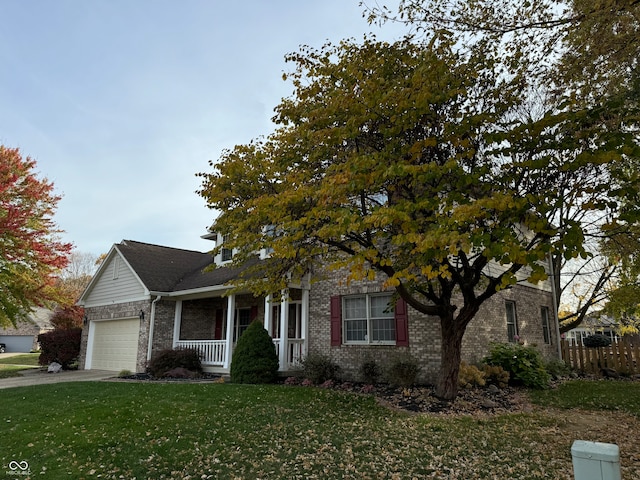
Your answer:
<point x="284" y="329"/>
<point x="267" y="314"/>
<point x="304" y="318"/>
<point x="177" y="320"/>
<point x="231" y="313"/>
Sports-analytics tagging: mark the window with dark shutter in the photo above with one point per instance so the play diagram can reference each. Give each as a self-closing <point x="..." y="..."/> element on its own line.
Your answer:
<point x="368" y="319"/>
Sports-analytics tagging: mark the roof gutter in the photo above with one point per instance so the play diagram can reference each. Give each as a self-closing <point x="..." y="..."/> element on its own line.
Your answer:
<point x="193" y="291"/>
<point x="152" y="323"/>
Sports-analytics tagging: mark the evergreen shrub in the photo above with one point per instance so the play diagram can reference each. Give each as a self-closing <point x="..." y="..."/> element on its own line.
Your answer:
<point x="254" y="358"/>
<point x="596" y="341"/>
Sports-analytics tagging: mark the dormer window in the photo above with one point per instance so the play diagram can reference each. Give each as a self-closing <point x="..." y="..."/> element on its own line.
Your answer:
<point x="226" y="253"/>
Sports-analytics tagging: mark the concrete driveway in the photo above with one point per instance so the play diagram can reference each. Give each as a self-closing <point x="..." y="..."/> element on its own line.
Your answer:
<point x="37" y="376"/>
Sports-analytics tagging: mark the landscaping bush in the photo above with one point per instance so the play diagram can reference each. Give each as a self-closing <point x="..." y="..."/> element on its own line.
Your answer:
<point x="470" y="376"/>
<point x="370" y="372"/>
<point x="254" y="358"/>
<point x="495" y="375"/>
<point x="524" y="364"/>
<point x="169" y="359"/>
<point x="319" y="368"/>
<point x="403" y="372"/>
<point x="62" y="346"/>
<point x="596" y="341"/>
<point x="557" y="369"/>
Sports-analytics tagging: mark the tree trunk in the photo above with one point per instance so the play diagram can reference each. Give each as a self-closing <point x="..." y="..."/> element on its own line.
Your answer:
<point x="451" y="344"/>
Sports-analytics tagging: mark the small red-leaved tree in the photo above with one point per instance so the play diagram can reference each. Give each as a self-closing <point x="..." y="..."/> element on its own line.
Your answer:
<point x="65" y="318"/>
<point x="62" y="346"/>
<point x="31" y="253"/>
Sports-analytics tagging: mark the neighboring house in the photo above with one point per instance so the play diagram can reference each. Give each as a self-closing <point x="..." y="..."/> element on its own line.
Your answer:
<point x="591" y="325"/>
<point x="24" y="337"/>
<point x="146" y="298"/>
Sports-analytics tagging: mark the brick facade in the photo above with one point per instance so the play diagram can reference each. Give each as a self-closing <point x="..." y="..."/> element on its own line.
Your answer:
<point x="201" y="319"/>
<point x="489" y="325"/>
<point x="115" y="312"/>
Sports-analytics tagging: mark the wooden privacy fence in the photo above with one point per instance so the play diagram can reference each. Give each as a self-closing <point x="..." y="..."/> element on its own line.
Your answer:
<point x="622" y="355"/>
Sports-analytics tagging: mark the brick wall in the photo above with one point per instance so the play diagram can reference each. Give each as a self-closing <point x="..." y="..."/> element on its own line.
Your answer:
<point x="115" y="312"/>
<point x="165" y="313"/>
<point x="424" y="331"/>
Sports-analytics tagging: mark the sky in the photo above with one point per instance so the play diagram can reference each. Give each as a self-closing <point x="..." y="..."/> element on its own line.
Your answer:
<point x="121" y="103"/>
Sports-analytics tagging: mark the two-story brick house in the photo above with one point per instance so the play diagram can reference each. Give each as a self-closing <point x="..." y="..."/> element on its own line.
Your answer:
<point x="145" y="298"/>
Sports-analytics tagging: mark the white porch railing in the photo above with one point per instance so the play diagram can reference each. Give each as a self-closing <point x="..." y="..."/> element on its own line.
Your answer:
<point x="212" y="352"/>
<point x="295" y="352"/>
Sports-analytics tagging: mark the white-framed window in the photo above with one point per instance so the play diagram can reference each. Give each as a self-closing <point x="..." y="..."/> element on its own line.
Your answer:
<point x="546" y="331"/>
<point x="226" y="254"/>
<point x="512" y="321"/>
<point x="368" y="318"/>
<point x="243" y="320"/>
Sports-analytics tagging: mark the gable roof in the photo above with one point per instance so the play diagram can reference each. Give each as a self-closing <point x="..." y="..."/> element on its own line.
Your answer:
<point x="167" y="269"/>
<point x="161" y="268"/>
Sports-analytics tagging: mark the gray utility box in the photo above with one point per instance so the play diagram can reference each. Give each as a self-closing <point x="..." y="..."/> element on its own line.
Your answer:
<point x="595" y="460"/>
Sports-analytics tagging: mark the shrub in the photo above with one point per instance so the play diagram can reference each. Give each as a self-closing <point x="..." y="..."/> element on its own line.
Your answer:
<point x="319" y="368"/>
<point x="169" y="359"/>
<point x="557" y="369"/>
<point x="495" y="375"/>
<point x="596" y="341"/>
<point x="403" y="372"/>
<point x="254" y="358"/>
<point x="524" y="364"/>
<point x="62" y="346"/>
<point x="470" y="376"/>
<point x="370" y="372"/>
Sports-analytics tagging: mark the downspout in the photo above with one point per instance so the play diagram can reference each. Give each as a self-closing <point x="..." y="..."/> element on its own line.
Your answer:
<point x="554" y="294"/>
<point x="152" y="323"/>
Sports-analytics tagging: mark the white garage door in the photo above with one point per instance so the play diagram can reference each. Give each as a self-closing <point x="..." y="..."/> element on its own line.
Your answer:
<point x="115" y="345"/>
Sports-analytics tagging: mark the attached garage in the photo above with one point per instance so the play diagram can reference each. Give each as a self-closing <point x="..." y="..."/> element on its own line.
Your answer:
<point x="115" y="344"/>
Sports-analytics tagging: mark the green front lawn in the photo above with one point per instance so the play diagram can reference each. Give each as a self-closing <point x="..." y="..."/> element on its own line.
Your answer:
<point x="199" y="431"/>
<point x="11" y="366"/>
<point x="22" y="359"/>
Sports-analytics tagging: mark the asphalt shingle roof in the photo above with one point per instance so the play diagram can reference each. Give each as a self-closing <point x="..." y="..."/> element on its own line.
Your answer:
<point x="167" y="269"/>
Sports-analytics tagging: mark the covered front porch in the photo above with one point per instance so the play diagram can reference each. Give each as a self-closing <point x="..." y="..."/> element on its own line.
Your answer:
<point x="213" y="325"/>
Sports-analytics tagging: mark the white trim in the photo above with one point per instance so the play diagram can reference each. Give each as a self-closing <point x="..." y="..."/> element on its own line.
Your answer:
<point x="304" y="320"/>
<point x="284" y="329"/>
<point x="152" y="324"/>
<point x="231" y="311"/>
<point x="119" y="302"/>
<point x="177" y="321"/>
<point x="268" y="313"/>
<point x="194" y="291"/>
<point x="89" y="353"/>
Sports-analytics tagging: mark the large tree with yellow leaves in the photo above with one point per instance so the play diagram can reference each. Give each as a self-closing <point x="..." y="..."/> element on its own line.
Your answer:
<point x="410" y="161"/>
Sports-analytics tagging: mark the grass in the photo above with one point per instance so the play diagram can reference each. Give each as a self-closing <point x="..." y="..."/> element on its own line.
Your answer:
<point x="178" y="431"/>
<point x="600" y="395"/>
<point x="11" y="366"/>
